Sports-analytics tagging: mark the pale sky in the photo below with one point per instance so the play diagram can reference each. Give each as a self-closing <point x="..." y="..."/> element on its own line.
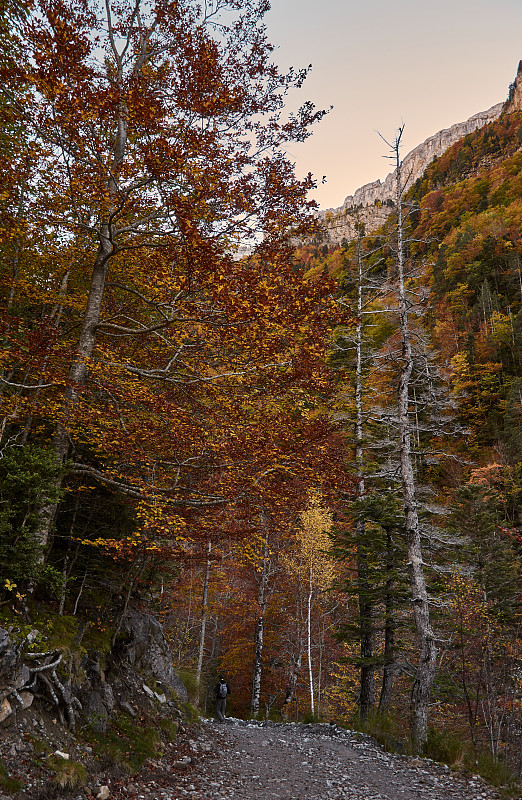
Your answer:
<point x="427" y="63"/>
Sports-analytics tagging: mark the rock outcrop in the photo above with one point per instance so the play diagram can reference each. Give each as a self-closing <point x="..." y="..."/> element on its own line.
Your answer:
<point x="104" y="681"/>
<point x="514" y="101"/>
<point x="374" y="201"/>
<point x="146" y="650"/>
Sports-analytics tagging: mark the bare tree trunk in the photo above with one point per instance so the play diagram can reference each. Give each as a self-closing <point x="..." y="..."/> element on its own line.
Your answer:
<point x="203" y="615"/>
<point x="258" y="662"/>
<point x="77" y="379"/>
<point x="293" y="678"/>
<point x="106" y="248"/>
<point x="309" y="643"/>
<point x="259" y="631"/>
<point x="65" y="568"/>
<point x="427" y="651"/>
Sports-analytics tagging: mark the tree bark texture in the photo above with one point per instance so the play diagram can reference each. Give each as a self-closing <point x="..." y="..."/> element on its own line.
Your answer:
<point x="262" y="598"/>
<point x="309" y="643"/>
<point x="427" y="650"/>
<point x="87" y="339"/>
<point x="389" y="631"/>
<point x="204" y="611"/>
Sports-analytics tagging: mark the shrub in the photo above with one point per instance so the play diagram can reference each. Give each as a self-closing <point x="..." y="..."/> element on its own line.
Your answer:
<point x="444" y="746"/>
<point x="189" y="679"/>
<point x="169" y="727"/>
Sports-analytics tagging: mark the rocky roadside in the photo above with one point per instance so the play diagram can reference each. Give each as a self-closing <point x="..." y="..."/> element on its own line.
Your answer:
<point x="265" y="761"/>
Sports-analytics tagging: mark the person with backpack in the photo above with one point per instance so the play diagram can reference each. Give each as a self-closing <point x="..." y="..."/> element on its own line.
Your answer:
<point x="222" y="691"/>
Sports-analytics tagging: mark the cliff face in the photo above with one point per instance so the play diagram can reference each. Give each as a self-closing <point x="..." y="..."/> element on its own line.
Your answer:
<point x="514" y="101"/>
<point x="374" y="201"/>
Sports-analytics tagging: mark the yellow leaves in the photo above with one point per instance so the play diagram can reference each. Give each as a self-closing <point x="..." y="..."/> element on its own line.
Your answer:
<point x="313" y="543"/>
<point x="460" y="372"/>
<point x="10" y="586"/>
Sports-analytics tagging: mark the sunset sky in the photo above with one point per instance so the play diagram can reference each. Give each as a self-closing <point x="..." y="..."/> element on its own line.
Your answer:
<point x="384" y="62"/>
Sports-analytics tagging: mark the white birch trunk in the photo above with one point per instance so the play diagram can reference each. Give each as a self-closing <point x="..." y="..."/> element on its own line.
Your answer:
<point x="309" y="643"/>
<point x="204" y="606"/>
<point x="259" y="632"/>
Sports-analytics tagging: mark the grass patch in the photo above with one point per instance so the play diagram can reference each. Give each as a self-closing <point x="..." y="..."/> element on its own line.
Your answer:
<point x="40" y="746"/>
<point x="9" y="785"/>
<point x="188" y="678"/>
<point x="190" y="713"/>
<point x="169" y="727"/>
<point x="309" y="718"/>
<point x="449" y="748"/>
<point x="128" y="744"/>
<point x="444" y="746"/>
<point x="67" y="773"/>
<point x="385" y="729"/>
<point x="495" y="772"/>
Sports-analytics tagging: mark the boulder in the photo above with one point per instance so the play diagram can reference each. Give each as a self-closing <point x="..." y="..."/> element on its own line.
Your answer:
<point x="10" y="662"/>
<point x="26" y="698"/>
<point x="146" y="649"/>
<point x="107" y="696"/>
<point x="5" y="709"/>
<point x="95" y="711"/>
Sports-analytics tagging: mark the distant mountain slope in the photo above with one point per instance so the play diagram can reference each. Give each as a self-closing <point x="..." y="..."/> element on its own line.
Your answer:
<point x="375" y="200"/>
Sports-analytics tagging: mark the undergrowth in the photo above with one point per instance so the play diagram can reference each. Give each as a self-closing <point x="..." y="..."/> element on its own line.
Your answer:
<point x="451" y="749"/>
<point x="127" y="743"/>
<point x="67" y="773"/>
<point x="7" y="784"/>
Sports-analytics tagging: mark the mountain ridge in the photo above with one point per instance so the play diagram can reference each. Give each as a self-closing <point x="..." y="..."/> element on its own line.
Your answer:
<point x="374" y="200"/>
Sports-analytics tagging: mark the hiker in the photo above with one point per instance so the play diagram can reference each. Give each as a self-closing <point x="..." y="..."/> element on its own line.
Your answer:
<point x="222" y="690"/>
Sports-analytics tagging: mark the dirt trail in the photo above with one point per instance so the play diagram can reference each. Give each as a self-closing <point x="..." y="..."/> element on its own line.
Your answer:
<point x="252" y="761"/>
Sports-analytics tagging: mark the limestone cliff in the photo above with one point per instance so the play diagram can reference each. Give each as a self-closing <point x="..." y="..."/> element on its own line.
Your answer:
<point x="514" y="101"/>
<point x="374" y="201"/>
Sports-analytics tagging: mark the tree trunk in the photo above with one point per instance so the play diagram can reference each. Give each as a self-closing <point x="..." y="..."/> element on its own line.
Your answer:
<point x="309" y="643"/>
<point x="259" y="631"/>
<point x="427" y="651"/>
<point x="203" y="616"/>
<point x="78" y="370"/>
<point x="258" y="661"/>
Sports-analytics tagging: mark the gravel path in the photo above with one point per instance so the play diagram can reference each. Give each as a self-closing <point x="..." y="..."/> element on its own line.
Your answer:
<point x="252" y="761"/>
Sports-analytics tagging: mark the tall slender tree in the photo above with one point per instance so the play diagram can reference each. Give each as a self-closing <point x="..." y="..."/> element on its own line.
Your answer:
<point x="425" y="672"/>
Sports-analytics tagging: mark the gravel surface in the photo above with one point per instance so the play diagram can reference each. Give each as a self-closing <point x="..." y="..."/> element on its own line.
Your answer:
<point x="241" y="760"/>
<point x="315" y="762"/>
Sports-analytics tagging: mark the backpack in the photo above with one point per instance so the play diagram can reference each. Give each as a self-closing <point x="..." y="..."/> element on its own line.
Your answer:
<point x="222" y="690"/>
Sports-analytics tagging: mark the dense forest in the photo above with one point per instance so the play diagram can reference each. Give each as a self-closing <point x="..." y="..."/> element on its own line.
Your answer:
<point x="304" y="461"/>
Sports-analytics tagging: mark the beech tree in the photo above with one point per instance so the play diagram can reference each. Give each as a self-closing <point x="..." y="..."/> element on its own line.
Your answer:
<point x="156" y="135"/>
